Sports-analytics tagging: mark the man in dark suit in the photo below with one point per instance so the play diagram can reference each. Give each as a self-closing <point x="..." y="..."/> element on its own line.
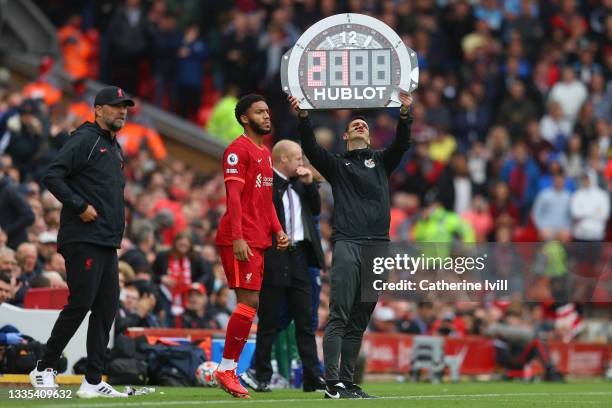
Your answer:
<point x="286" y="274"/>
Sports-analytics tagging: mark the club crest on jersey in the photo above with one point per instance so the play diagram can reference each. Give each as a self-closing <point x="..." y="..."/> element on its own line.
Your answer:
<point x="369" y="163"/>
<point x="232" y="159"/>
<point x="248" y="277"/>
<point x="265" y="181"/>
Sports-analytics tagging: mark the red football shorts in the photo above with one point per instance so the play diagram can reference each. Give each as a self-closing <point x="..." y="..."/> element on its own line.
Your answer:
<point x="246" y="275"/>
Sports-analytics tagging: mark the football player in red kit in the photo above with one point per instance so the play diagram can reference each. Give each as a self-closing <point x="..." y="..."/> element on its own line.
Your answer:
<point x="246" y="229"/>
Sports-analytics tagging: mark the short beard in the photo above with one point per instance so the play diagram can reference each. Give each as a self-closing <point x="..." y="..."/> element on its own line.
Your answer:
<point x="111" y="125"/>
<point x="258" y="129"/>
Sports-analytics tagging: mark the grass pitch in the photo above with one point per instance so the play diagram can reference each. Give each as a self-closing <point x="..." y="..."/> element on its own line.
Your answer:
<point x="592" y="393"/>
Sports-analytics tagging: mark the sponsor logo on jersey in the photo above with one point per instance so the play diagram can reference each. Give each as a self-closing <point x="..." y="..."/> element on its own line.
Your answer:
<point x="232" y="159"/>
<point x="266" y="181"/>
<point x="231" y="171"/>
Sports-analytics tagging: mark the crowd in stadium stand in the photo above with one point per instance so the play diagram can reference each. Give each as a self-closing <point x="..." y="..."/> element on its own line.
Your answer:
<point x="511" y="141"/>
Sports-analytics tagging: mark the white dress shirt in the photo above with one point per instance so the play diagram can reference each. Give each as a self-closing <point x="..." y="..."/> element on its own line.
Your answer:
<point x="298" y="225"/>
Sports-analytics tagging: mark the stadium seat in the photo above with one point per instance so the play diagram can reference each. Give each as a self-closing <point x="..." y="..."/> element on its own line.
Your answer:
<point x="45" y="298"/>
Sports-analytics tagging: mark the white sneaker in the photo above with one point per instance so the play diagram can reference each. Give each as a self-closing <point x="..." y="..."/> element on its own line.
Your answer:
<point x="43" y="379"/>
<point x="102" y="389"/>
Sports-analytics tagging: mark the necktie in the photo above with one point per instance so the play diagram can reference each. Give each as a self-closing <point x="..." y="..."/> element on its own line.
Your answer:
<point x="291" y="225"/>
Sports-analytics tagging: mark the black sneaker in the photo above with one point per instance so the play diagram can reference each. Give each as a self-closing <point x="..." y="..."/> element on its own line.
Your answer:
<point x="553" y="375"/>
<point x="249" y="378"/>
<point x="338" y="391"/>
<point x="356" y="390"/>
<point x="317" y="385"/>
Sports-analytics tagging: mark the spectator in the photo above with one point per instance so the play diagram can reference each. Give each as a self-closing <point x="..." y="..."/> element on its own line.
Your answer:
<point x="440" y="225"/>
<point x="175" y="270"/>
<point x="130" y="36"/>
<point x="145" y="308"/>
<point x="140" y="255"/>
<point x="196" y="315"/>
<point x="479" y="217"/>
<point x="471" y="120"/>
<point x="139" y="133"/>
<point x="57" y="264"/>
<point x="600" y="97"/>
<point x="422" y="322"/>
<point x="551" y="211"/>
<point x="503" y="211"/>
<point x="554" y="166"/>
<point x="47" y="246"/>
<point x="221" y="309"/>
<point x="222" y="123"/>
<point x="569" y="93"/>
<point x="442" y="146"/>
<point x="585" y="126"/>
<point x="191" y="55"/>
<point x="455" y="186"/>
<point x="167" y="41"/>
<point x="129" y="298"/>
<point x="540" y="148"/>
<point x="516" y="110"/>
<point x="8" y="263"/>
<point x="27" y="258"/>
<point x="437" y="112"/>
<point x="6" y="290"/>
<point x="15" y="212"/>
<point x="554" y="127"/>
<point x="238" y="51"/>
<point x="572" y="160"/>
<point x="28" y="134"/>
<point x="78" y="49"/>
<point x="383" y="320"/>
<point x="590" y="210"/>
<point x="521" y="174"/>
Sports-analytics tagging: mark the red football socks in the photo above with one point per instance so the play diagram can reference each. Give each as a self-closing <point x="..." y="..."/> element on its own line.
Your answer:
<point x="238" y="330"/>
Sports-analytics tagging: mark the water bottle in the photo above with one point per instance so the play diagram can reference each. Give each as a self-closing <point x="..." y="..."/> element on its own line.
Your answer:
<point x="296" y="374"/>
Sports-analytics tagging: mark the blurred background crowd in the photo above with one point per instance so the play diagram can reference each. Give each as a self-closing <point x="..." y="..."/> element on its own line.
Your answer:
<point x="511" y="141"/>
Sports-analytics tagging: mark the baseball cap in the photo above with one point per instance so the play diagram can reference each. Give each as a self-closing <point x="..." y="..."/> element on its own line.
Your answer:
<point x="47" y="237"/>
<point x="198" y="287"/>
<point x="112" y="95"/>
<point x="384" y="313"/>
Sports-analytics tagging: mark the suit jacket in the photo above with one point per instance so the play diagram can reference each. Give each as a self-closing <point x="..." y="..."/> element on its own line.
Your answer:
<point x="277" y="264"/>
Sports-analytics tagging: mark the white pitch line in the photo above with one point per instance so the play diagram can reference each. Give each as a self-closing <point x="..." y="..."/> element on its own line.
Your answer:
<point x="285" y="401"/>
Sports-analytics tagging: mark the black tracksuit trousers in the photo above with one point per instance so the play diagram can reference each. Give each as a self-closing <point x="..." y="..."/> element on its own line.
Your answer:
<point x="348" y="315"/>
<point x="93" y="280"/>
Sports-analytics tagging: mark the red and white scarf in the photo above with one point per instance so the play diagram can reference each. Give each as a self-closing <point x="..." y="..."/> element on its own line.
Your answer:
<point x="179" y="269"/>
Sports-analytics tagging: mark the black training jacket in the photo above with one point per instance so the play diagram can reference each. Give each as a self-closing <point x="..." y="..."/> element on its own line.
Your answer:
<point x="360" y="182"/>
<point x="89" y="170"/>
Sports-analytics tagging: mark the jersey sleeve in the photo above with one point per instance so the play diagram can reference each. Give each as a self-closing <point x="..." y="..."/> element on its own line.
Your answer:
<point x="235" y="164"/>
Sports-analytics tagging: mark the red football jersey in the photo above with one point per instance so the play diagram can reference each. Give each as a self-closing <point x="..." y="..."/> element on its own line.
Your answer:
<point x="250" y="164"/>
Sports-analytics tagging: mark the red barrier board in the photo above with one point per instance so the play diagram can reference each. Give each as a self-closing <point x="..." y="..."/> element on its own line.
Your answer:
<point x="391" y="353"/>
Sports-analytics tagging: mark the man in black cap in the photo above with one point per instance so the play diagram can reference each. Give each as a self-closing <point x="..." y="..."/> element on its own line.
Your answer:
<point x="87" y="177"/>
